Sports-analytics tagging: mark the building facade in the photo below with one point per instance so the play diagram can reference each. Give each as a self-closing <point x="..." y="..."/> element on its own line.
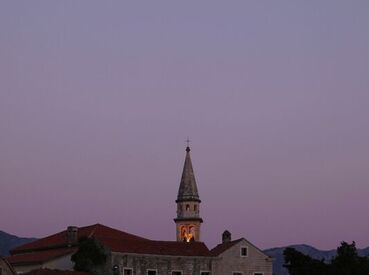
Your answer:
<point x="129" y="254"/>
<point x="6" y="268"/>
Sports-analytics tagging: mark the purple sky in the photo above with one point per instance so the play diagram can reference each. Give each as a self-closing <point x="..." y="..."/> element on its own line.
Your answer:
<point x="98" y="97"/>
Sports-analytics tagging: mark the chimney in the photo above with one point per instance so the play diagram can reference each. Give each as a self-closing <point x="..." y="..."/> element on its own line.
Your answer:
<point x="72" y="235"/>
<point x="226" y="236"/>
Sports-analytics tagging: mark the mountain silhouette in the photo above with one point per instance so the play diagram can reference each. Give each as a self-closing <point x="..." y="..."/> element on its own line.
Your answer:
<point x="8" y="242"/>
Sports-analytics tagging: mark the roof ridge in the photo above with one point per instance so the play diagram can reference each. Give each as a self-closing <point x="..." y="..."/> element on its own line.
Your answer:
<point x="220" y="248"/>
<point x="102" y="226"/>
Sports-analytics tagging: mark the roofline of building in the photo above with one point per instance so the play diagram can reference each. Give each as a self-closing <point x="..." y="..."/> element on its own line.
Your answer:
<point x="258" y="249"/>
<point x="44" y="248"/>
<point x="239" y="240"/>
<point x="161" y="255"/>
<point x="42" y="262"/>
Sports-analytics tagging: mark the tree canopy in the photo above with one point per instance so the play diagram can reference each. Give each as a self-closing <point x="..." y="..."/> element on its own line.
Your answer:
<point x="346" y="262"/>
<point x="90" y="257"/>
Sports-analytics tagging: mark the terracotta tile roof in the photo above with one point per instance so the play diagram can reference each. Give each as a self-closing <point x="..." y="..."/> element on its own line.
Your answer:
<point x="39" y="256"/>
<point x="60" y="239"/>
<point x="47" y="248"/>
<point x="170" y="248"/>
<point x="55" y="272"/>
<point x="220" y="248"/>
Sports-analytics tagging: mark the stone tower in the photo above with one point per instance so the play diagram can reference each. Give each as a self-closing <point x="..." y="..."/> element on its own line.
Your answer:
<point x="188" y="219"/>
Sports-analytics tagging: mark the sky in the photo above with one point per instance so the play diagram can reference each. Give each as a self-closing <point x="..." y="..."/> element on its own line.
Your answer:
<point x="97" y="99"/>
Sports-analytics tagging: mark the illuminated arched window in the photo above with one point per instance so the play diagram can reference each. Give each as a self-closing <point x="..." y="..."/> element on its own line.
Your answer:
<point x="183" y="233"/>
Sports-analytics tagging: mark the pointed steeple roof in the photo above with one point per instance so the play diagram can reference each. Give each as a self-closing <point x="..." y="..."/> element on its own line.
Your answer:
<point x="188" y="188"/>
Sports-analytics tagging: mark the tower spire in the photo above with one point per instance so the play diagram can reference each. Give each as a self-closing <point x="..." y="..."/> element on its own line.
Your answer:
<point x="188" y="219"/>
<point x="188" y="187"/>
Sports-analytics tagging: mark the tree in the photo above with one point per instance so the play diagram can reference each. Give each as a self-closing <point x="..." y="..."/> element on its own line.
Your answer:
<point x="346" y="262"/>
<point x="298" y="263"/>
<point x="90" y="257"/>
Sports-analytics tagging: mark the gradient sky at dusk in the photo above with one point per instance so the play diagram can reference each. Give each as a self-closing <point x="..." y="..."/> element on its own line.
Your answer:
<point x="98" y="97"/>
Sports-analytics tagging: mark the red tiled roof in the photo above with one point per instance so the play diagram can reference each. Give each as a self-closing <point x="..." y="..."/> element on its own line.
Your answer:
<point x="220" y="248"/>
<point x="158" y="247"/>
<point x="39" y="256"/>
<point x="44" y="249"/>
<point x="55" y="272"/>
<point x="60" y="239"/>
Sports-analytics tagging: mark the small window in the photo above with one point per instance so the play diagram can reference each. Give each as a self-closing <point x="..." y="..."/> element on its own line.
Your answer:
<point x="205" y="273"/>
<point x="176" y="272"/>
<point x="151" y="272"/>
<point x="244" y="251"/>
<point x="187" y="207"/>
<point x="258" y="273"/>
<point x="195" y="207"/>
<point x="127" y="271"/>
<point x="1" y="271"/>
<point x="237" y="273"/>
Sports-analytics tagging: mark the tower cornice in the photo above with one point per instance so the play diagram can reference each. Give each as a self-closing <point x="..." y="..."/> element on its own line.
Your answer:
<point x="188" y="200"/>
<point x="188" y="220"/>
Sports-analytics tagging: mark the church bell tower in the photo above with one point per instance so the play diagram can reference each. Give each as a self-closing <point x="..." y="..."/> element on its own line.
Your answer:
<point x="188" y="221"/>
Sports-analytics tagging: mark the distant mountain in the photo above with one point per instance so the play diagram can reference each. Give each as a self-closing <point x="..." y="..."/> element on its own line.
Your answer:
<point x="277" y="254"/>
<point x="8" y="242"/>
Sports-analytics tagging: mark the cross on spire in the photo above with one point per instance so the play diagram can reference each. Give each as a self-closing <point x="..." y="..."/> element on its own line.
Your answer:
<point x="188" y="144"/>
<point x="188" y="141"/>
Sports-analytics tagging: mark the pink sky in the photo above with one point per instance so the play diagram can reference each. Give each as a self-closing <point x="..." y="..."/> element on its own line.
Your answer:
<point x="97" y="99"/>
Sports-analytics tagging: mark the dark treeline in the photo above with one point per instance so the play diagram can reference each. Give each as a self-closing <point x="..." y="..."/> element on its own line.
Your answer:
<point x="346" y="262"/>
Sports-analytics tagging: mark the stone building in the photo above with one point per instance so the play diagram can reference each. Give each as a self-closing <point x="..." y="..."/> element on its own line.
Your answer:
<point x="6" y="268"/>
<point x="240" y="257"/>
<point x="129" y="254"/>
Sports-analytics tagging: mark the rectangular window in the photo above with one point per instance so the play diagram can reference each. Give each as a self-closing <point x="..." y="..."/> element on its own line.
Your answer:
<point x="237" y="273"/>
<point x="176" y="272"/>
<point x="244" y="251"/>
<point x="205" y="273"/>
<point x="151" y="272"/>
<point x="127" y="271"/>
<point x="1" y="271"/>
<point x="258" y="273"/>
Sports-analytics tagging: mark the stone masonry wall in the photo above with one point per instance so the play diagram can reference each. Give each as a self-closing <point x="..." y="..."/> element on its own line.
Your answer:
<point x="164" y="265"/>
<point x="231" y="261"/>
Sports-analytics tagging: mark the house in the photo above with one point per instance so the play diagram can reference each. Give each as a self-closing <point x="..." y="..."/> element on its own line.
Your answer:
<point x="240" y="257"/>
<point x="130" y="254"/>
<point x="6" y="268"/>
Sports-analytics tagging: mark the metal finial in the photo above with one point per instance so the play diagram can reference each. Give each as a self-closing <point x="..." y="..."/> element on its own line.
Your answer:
<point x="188" y="144"/>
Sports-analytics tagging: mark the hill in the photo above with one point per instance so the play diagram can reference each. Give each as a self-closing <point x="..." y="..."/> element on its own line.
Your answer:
<point x="8" y="241"/>
<point x="277" y="254"/>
